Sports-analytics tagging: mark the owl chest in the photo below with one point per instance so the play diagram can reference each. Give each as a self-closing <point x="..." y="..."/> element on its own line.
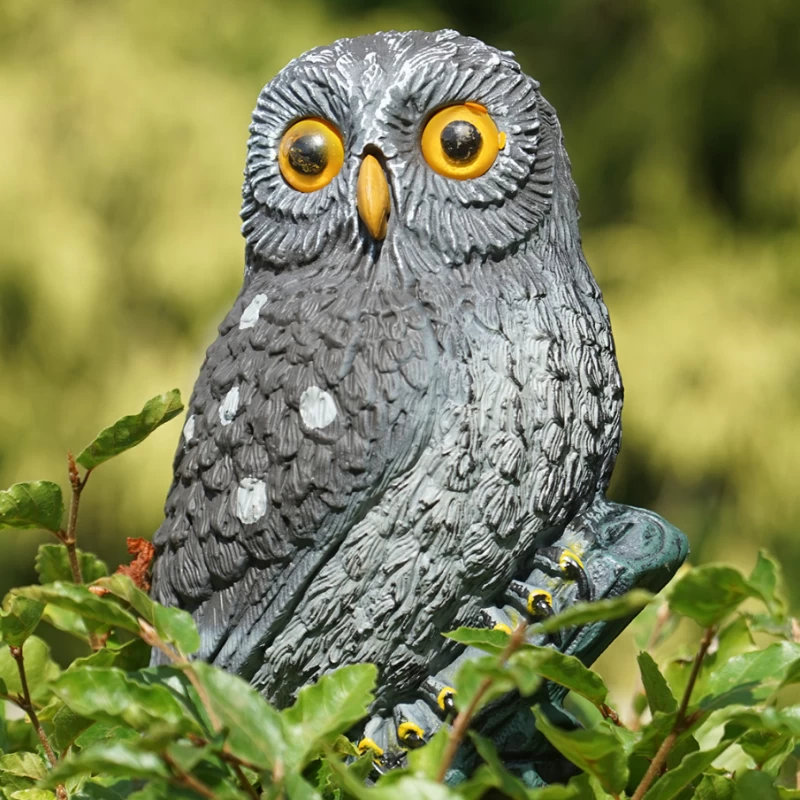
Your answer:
<point x="521" y="425"/>
<point x="334" y="388"/>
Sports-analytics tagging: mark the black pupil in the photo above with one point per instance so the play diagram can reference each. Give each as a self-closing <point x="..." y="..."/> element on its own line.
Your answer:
<point x="461" y="141"/>
<point x="309" y="154"/>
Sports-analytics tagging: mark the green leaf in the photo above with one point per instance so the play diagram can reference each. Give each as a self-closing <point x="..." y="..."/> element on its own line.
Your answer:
<point x="733" y="639"/>
<point x="554" y="666"/>
<point x="766" y="581"/>
<point x="130" y="431"/>
<point x="599" y="751"/>
<point x="709" y="593"/>
<point x="425" y="761"/>
<point x="126" y="759"/>
<point x="483" y="779"/>
<point x="23" y="765"/>
<point x="19" y="772"/>
<point x="673" y="781"/>
<point x="174" y="625"/>
<point x="714" y="787"/>
<point x="67" y="726"/>
<point x="32" y="505"/>
<point x="73" y="624"/>
<point x="162" y="790"/>
<point x="750" y="677"/>
<point x="659" y="696"/>
<point x="129" y="657"/>
<point x="39" y="669"/>
<point x="79" y="600"/>
<point x="753" y="784"/>
<point x="486" y="639"/>
<point x="625" y="605"/>
<point x="525" y="665"/>
<point x="470" y="678"/>
<point x="327" y="709"/>
<point x="508" y="784"/>
<point x="785" y="721"/>
<point x="402" y="787"/>
<point x="792" y="675"/>
<point x="33" y="794"/>
<point x="19" y="619"/>
<point x="654" y="733"/>
<point x="52" y="564"/>
<point x="110" y="695"/>
<point x="108" y="789"/>
<point x="767" y="748"/>
<point x="99" y="731"/>
<point x="256" y="732"/>
<point x="299" y="789"/>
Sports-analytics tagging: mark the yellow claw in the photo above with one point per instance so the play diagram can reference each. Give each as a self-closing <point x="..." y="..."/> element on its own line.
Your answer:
<point x="410" y="734"/>
<point x="537" y="596"/>
<point x="369" y="744"/>
<point x="566" y="557"/>
<point x="446" y="695"/>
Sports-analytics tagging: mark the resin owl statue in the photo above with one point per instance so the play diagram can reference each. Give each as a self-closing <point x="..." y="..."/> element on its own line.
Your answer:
<point x="415" y="395"/>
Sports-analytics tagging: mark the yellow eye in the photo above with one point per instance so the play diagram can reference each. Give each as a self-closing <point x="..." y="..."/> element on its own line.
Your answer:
<point x="461" y="141"/>
<point x="311" y="154"/>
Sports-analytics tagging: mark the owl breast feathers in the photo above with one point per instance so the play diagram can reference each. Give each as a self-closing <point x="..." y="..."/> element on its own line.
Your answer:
<point x="395" y="414"/>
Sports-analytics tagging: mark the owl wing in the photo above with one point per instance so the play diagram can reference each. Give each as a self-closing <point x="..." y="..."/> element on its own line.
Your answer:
<point x="309" y="404"/>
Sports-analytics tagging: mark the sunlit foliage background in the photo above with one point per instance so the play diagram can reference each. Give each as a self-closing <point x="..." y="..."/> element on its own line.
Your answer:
<point x="122" y="136"/>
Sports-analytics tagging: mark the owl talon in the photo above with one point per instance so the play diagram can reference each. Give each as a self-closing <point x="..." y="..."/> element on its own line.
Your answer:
<point x="440" y="695"/>
<point x="495" y="619"/>
<point x="535" y="602"/>
<point x="410" y="735"/>
<point x="415" y="724"/>
<point x="563" y="562"/>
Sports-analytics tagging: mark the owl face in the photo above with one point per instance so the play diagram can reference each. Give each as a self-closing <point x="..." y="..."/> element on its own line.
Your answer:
<point x="415" y="151"/>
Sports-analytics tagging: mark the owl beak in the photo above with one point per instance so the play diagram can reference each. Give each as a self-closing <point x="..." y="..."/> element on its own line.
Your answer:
<point x="372" y="195"/>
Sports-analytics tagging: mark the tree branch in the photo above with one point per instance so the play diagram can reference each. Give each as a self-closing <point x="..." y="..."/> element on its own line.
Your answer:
<point x="69" y="536"/>
<point x="681" y="721"/>
<point x="243" y="782"/>
<point x="183" y="778"/>
<point x="26" y="704"/>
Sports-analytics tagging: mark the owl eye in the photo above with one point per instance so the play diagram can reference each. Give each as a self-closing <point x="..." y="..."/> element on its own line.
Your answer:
<point x="461" y="141"/>
<point x="310" y="154"/>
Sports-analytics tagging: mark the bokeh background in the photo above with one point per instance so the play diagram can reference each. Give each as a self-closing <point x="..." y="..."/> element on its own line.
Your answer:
<point x="122" y="140"/>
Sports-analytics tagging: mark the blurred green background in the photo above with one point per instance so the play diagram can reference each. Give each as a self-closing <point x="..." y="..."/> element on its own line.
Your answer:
<point x="122" y="141"/>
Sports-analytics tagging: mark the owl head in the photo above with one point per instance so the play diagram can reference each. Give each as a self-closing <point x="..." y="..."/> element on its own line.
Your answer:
<point x="413" y="151"/>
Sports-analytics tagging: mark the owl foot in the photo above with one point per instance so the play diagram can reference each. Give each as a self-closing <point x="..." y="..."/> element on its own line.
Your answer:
<point x="604" y="552"/>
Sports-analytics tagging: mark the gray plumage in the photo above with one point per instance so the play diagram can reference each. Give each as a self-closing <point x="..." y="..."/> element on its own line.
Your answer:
<point x="384" y="432"/>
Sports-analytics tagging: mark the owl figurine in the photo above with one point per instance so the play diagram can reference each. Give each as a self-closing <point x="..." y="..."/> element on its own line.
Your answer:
<point x="415" y="397"/>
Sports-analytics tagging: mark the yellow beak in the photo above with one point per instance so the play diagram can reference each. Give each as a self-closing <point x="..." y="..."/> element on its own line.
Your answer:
<point x="372" y="196"/>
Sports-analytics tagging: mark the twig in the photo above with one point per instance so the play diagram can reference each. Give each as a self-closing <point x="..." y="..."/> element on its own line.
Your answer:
<point x="243" y="782"/>
<point x="681" y="720"/>
<point x="69" y="536"/>
<point x="462" y="721"/>
<point x="183" y="778"/>
<point x="611" y="715"/>
<point x="277" y="777"/>
<point x="26" y="704"/>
